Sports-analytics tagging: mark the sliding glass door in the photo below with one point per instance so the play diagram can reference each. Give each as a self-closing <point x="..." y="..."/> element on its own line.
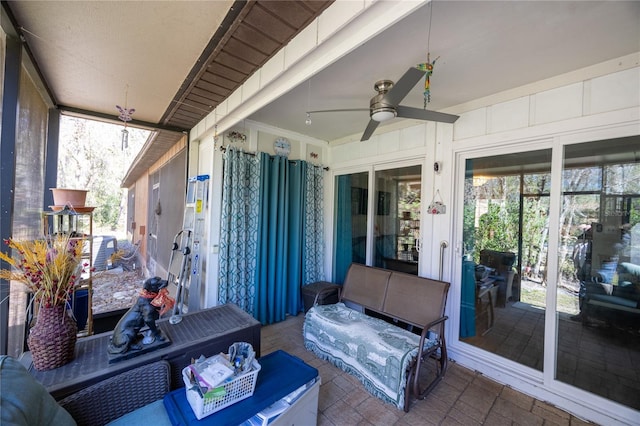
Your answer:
<point x="599" y="270"/>
<point x="521" y="264"/>
<point x="380" y="227"/>
<point x="350" y="237"/>
<point x="506" y="210"/>
<point x="397" y="219"/>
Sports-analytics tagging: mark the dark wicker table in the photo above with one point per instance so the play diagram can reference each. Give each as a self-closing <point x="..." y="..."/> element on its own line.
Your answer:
<point x="205" y="332"/>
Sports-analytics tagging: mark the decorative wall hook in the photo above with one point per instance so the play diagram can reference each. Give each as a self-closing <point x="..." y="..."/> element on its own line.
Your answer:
<point x="235" y="136"/>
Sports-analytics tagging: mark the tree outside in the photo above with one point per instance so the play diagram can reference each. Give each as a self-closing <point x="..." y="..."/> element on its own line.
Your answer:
<point x="91" y="156"/>
<point x="497" y="206"/>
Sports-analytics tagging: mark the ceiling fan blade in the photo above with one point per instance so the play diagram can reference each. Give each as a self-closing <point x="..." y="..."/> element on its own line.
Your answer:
<point x="424" y="114"/>
<point x="403" y="86"/>
<point x="371" y="127"/>
<point x="338" y="110"/>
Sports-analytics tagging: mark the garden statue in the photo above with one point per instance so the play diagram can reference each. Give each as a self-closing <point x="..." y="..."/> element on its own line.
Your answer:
<point x="153" y="302"/>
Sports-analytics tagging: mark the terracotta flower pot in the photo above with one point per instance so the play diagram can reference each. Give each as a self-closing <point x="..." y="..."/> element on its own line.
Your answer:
<point x="72" y="197"/>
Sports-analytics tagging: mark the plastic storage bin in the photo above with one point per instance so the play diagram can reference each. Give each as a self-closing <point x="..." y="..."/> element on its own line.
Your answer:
<point x="309" y="293"/>
<point x="228" y="393"/>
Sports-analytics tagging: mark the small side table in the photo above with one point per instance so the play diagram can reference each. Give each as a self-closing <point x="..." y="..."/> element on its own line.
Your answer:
<point x="321" y="293"/>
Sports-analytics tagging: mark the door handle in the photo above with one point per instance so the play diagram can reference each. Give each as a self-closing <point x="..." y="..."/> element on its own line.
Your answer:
<point x="443" y="245"/>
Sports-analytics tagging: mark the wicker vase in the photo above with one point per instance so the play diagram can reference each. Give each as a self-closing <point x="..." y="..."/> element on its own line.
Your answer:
<point x="52" y="341"/>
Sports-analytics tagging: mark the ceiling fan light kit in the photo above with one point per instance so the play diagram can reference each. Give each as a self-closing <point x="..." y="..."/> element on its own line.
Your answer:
<point x="389" y="96"/>
<point x="383" y="114"/>
<point x="385" y="105"/>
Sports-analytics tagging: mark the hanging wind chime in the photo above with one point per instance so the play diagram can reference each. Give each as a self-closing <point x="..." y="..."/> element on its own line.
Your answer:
<point x="428" y="66"/>
<point x="125" y="116"/>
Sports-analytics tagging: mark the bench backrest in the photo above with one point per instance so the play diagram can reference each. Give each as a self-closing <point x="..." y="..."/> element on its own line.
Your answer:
<point x="366" y="286"/>
<point x="410" y="298"/>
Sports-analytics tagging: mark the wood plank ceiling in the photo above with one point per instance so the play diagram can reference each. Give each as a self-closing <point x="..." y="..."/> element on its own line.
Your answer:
<point x="250" y="35"/>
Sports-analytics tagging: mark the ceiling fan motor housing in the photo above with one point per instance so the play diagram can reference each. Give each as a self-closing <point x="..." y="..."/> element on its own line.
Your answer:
<point x="380" y="109"/>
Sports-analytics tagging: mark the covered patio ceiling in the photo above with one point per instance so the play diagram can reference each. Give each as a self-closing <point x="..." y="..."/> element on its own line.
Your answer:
<point x="483" y="49"/>
<point x="174" y="61"/>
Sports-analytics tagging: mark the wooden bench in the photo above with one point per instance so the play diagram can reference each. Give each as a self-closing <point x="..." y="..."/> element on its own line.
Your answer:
<point x="385" y="356"/>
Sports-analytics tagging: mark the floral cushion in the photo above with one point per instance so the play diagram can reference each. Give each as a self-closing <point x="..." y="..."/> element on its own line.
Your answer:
<point x="375" y="351"/>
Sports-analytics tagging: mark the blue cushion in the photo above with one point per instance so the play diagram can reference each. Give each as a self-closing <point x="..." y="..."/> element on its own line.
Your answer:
<point x="153" y="414"/>
<point x="24" y="401"/>
<point x="607" y="271"/>
<point x="615" y="300"/>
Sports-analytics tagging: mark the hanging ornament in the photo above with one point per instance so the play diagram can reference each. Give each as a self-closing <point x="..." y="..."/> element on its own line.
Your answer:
<point x="125" y="116"/>
<point x="428" y="67"/>
<point x="125" y="138"/>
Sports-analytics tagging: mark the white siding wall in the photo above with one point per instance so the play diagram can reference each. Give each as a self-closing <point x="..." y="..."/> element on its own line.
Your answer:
<point x="596" y="105"/>
<point x="597" y="102"/>
<point x="612" y="92"/>
<point x="570" y="106"/>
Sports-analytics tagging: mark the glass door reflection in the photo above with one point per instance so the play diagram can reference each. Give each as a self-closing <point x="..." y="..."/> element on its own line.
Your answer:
<point x="397" y="219"/>
<point x="598" y="293"/>
<point x="504" y="280"/>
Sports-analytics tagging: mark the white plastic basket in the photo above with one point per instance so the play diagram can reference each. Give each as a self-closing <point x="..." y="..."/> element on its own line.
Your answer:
<point x="237" y="389"/>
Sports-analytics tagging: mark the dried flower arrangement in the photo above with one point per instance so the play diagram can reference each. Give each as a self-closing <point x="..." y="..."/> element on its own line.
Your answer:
<point x="49" y="268"/>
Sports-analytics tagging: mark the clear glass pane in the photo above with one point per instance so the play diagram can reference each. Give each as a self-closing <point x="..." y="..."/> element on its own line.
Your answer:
<point x="598" y="311"/>
<point x="351" y="222"/>
<point x="506" y="211"/>
<point x="397" y="219"/>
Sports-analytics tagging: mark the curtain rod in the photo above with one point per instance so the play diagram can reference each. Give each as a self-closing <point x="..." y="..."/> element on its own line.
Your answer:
<point x="224" y="149"/>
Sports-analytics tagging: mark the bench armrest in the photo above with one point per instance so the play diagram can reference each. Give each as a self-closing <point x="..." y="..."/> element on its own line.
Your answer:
<point x="436" y="322"/>
<point x="425" y="334"/>
<point x="116" y="396"/>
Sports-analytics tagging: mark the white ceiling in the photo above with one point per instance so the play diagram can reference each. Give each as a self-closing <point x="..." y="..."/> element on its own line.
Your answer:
<point x="96" y="54"/>
<point x="485" y="47"/>
<point x="99" y="54"/>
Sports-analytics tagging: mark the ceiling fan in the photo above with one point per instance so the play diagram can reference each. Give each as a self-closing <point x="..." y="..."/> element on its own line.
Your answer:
<point x="384" y="106"/>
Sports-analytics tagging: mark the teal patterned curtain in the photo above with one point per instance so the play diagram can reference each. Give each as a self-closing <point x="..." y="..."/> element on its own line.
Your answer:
<point x="271" y="235"/>
<point x="239" y="229"/>
<point x="313" y="253"/>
